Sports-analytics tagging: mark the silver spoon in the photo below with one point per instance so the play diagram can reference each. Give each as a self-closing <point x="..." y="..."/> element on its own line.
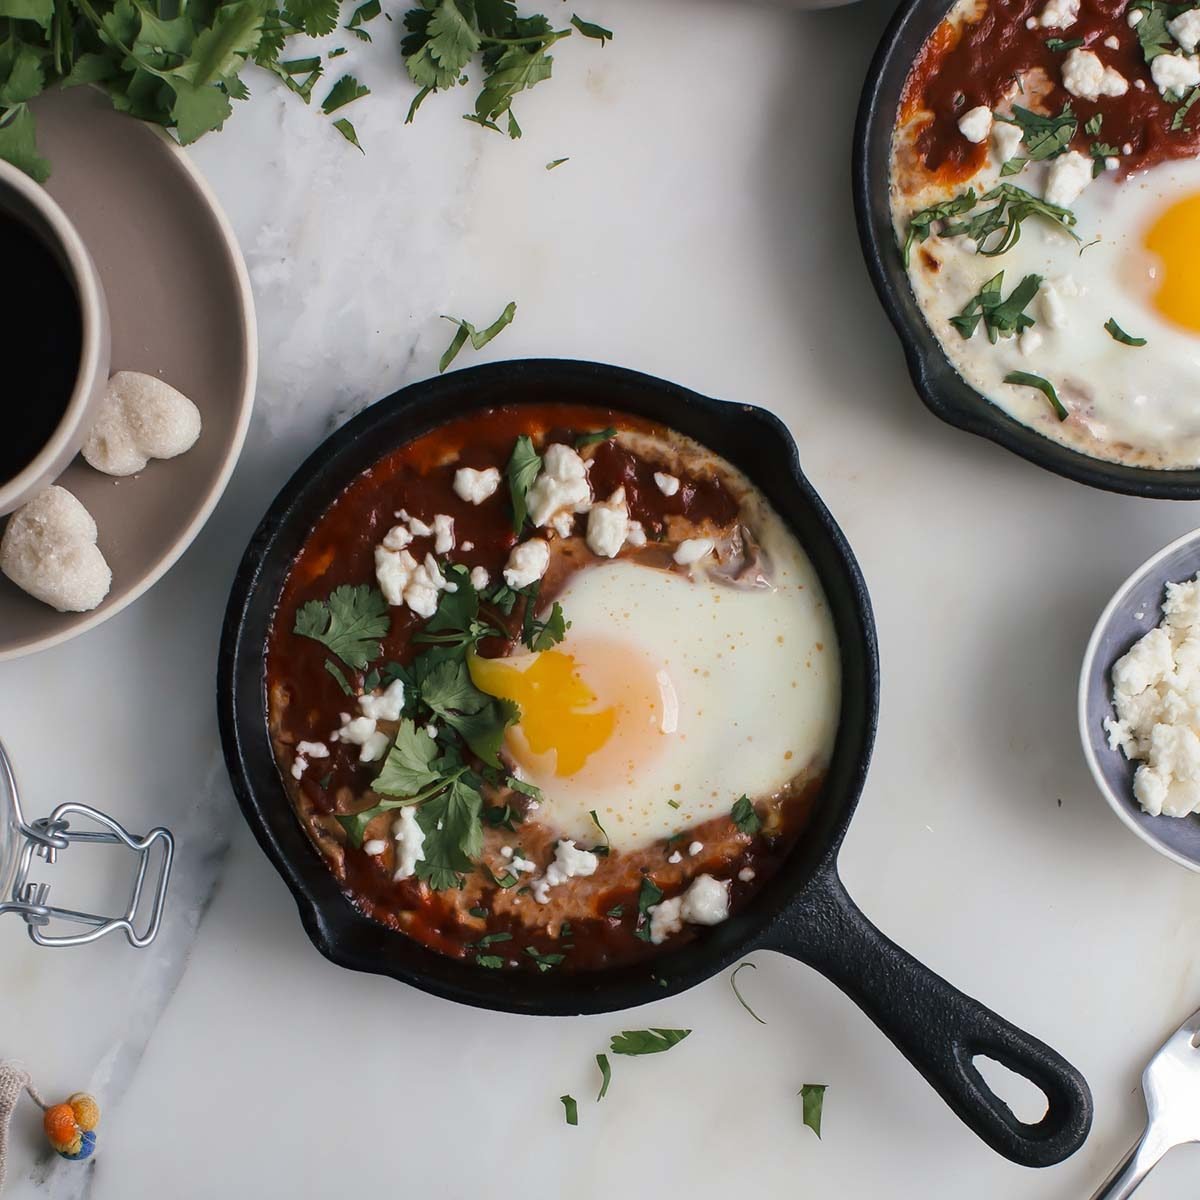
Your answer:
<point x="1171" y="1082"/>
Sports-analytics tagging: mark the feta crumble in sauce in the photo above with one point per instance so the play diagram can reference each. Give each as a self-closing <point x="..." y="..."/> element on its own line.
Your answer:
<point x="539" y="888"/>
<point x="1128" y="171"/>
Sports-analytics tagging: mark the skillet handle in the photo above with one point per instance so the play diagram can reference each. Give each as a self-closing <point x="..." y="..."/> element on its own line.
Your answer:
<point x="937" y="1028"/>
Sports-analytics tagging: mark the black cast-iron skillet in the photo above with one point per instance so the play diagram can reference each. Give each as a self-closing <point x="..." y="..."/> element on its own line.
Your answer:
<point x="944" y="391"/>
<point x="803" y="911"/>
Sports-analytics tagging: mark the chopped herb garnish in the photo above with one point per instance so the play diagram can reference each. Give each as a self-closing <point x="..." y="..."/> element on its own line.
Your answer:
<point x="591" y="439"/>
<point x="1000" y="316"/>
<point x="1014" y="166"/>
<point x="564" y="930"/>
<point x="351" y="623"/>
<point x="491" y="939"/>
<point x="1059" y="45"/>
<point x="1119" y="335"/>
<point x="603" y="831"/>
<point x="371" y="680"/>
<point x="522" y="470"/>
<point x="502" y="817"/>
<point x="1153" y="35"/>
<point x="1027" y="379"/>
<point x="1101" y="152"/>
<point x="479" y="337"/>
<point x="1094" y="124"/>
<point x="545" y="962"/>
<point x="744" y="817"/>
<point x="556" y="162"/>
<point x="649" y="895"/>
<point x="673" y="803"/>
<point x="507" y="880"/>
<point x="738" y="994"/>
<point x="492" y="961"/>
<point x="571" y="1109"/>
<point x="617" y="911"/>
<point x="812" y="1096"/>
<point x="477" y="912"/>
<point x="1014" y="206"/>
<point x="920" y="224"/>
<point x="345" y="91"/>
<point x="647" y="1041"/>
<point x="1179" y="120"/>
<point x="339" y="677"/>
<point x="526" y="789"/>
<point x="1044" y="137"/>
<point x="605" y="1075"/>
<point x="541" y="635"/>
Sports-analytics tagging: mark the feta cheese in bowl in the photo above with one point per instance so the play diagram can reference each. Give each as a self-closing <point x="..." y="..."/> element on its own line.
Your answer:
<point x="1135" y="715"/>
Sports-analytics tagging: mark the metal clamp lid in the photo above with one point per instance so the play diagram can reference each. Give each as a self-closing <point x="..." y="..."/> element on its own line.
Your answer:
<point x="46" y="836"/>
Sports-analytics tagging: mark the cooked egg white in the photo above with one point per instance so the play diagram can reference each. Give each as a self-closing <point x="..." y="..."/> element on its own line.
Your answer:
<point x="1137" y="262"/>
<point x="671" y="696"/>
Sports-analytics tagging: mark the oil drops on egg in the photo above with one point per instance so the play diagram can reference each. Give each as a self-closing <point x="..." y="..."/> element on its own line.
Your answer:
<point x="670" y="697"/>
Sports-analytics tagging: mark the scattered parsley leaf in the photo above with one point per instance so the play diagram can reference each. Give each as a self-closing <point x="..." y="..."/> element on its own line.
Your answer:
<point x="1059" y="45"/>
<point x="571" y="1109"/>
<point x="741" y="998"/>
<point x="541" y="635"/>
<point x="591" y="30"/>
<point x="345" y="91"/>
<point x="1101" y="152"/>
<point x="453" y="834"/>
<point x="744" y="817"/>
<point x="1014" y="205"/>
<point x="526" y="789"/>
<point x="921" y="224"/>
<point x="351" y="623"/>
<point x="545" y="962"/>
<point x="347" y="130"/>
<point x="339" y="677"/>
<point x="490" y="939"/>
<point x="649" y="894"/>
<point x="1152" y="33"/>
<point x="812" y="1096"/>
<point x="1094" y="124"/>
<point x="646" y="1041"/>
<point x="492" y="961"/>
<point x="1119" y="335"/>
<point x="616" y="912"/>
<point x="522" y="470"/>
<point x="592" y="439"/>
<point x="603" y="832"/>
<point x="605" y="1076"/>
<point x="477" y="912"/>
<point x="362" y="14"/>
<point x="479" y="338"/>
<point x="1027" y="379"/>
<point x="556" y="162"/>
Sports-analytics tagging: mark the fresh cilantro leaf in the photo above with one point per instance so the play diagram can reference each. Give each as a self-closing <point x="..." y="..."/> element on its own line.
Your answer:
<point x="479" y="339"/>
<point x="1118" y="334"/>
<point x="646" y="1041"/>
<point x="220" y="52"/>
<point x="21" y="76"/>
<point x="18" y="143"/>
<point x="362" y="14"/>
<point x="1180" y="119"/>
<point x="502" y="817"/>
<point x="616" y="912"/>
<point x="339" y="677"/>
<point x="590" y="30"/>
<point x="1027" y="379"/>
<point x="812" y="1096"/>
<point x="1000" y="317"/>
<point x="491" y="939"/>
<point x="1014" y="166"/>
<point x="448" y="688"/>
<point x="1059" y="45"/>
<point x="41" y="11"/>
<point x="197" y="110"/>
<point x="484" y="730"/>
<point x="592" y="439"/>
<point x="541" y="635"/>
<point x="738" y="994"/>
<point x="1044" y="137"/>
<point x="545" y="962"/>
<point x="556" y="162"/>
<point x="571" y="1109"/>
<point x="477" y="912"/>
<point x="315" y="17"/>
<point x="1101" y="152"/>
<point x="453" y="834"/>
<point x="492" y="961"/>
<point x="920" y="224"/>
<point x="1014" y="205"/>
<point x="605" y="1075"/>
<point x="1153" y="35"/>
<point x="517" y="69"/>
<point x="347" y="130"/>
<point x="744" y="816"/>
<point x="522" y="470"/>
<point x="1094" y="124"/>
<point x="526" y="789"/>
<point x="350" y="623"/>
<point x="345" y="91"/>
<point x="408" y="768"/>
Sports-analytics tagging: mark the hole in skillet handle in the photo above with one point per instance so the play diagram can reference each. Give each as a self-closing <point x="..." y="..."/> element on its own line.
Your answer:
<point x="939" y="1029"/>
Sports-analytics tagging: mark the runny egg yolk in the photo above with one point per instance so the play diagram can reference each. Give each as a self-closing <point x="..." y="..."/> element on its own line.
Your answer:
<point x="1175" y="239"/>
<point x="594" y="709"/>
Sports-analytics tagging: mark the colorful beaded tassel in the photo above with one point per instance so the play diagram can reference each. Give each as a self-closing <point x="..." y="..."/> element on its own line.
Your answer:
<point x="70" y="1127"/>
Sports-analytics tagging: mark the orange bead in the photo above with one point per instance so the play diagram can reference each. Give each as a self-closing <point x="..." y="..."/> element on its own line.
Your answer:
<point x="86" y="1110"/>
<point x="60" y="1126"/>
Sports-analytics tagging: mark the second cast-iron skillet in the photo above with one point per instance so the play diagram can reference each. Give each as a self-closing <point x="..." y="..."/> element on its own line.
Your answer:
<point x="803" y="911"/>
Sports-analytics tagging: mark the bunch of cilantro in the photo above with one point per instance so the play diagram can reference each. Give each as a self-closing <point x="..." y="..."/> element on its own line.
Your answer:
<point x="179" y="63"/>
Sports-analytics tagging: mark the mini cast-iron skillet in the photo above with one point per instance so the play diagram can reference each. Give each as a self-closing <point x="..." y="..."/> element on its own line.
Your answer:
<point x="803" y="911"/>
<point x="944" y="391"/>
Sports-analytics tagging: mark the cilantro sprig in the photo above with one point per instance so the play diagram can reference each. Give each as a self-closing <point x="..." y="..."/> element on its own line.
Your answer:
<point x="351" y="623"/>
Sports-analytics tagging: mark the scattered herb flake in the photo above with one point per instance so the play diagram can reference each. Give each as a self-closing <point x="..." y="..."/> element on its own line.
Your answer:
<point x="545" y="962"/>
<point x="523" y="467"/>
<point x="339" y="677"/>
<point x="477" y="912"/>
<point x="1180" y="119"/>
<point x="1059" y="45"/>
<point x="1118" y="334"/>
<point x="738" y="994"/>
<point x="605" y="1075"/>
<point x="649" y="894"/>
<point x="556" y="162"/>
<point x="571" y="1109"/>
<point x="647" y="1041"/>
<point x="1000" y="316"/>
<point x="1044" y="137"/>
<point x="479" y="338"/>
<point x="617" y="911"/>
<point x="345" y="91"/>
<point x="673" y="803"/>
<point x="592" y="439"/>
<point x="744" y="817"/>
<point x="1027" y="379"/>
<point x="921" y="224"/>
<point x="492" y="961"/>
<point x="812" y="1096"/>
<point x="491" y="939"/>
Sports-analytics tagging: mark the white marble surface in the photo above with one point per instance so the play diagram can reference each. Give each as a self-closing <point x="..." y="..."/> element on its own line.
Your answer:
<point x="701" y="231"/>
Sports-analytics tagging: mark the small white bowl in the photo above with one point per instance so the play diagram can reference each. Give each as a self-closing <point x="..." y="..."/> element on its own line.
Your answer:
<point x="1132" y="612"/>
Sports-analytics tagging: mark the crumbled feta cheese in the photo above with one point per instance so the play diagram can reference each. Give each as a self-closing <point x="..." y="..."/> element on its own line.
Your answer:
<point x="1127" y="148"/>
<point x="1185" y="29"/>
<point x="1140" y="84"/>
<point x="476" y="486"/>
<point x="692" y="550"/>
<point x="1069" y="174"/>
<point x="467" y="547"/>
<point x="568" y="863"/>
<point x="1134" y="17"/>
<point x="393" y="569"/>
<point x="1175" y="73"/>
<point x="1059" y="14"/>
<point x="431" y="729"/>
<point x="1111" y="164"/>
<point x="419" y="528"/>
<point x="299" y="766"/>
<point x="1054" y="311"/>
<point x="561" y="488"/>
<point x="396" y="538"/>
<point x="1156" y="695"/>
<point x="443" y="534"/>
<point x="976" y="124"/>
<point x="667" y="484"/>
<point x="665" y="920"/>
<point x="387" y="705"/>
<point x="405" y="581"/>
<point x="675" y="857"/>
<point x="374" y="846"/>
<point x="410" y="841"/>
<point x="1113" y="42"/>
<point x="506" y="852"/>
<point x="706" y="902"/>
<point x="519" y="865"/>
<point x="479" y="578"/>
<point x="608" y="525"/>
<point x="1006" y="138"/>
<point x="695" y="848"/>
<point x="1085" y="76"/>
<point x="360" y="731"/>
<point x="746" y="874"/>
<point x="527" y="563"/>
<point x="313" y="749"/>
<point x="635" y="535"/>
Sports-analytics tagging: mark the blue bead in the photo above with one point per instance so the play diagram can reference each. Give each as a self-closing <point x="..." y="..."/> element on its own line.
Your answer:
<point x="87" y="1146"/>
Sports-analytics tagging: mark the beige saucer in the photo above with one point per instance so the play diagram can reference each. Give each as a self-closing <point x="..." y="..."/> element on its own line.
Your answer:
<point x="180" y="306"/>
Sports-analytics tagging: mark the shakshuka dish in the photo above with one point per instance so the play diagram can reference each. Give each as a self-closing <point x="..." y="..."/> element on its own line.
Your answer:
<point x="1046" y="197"/>
<point x="552" y="688"/>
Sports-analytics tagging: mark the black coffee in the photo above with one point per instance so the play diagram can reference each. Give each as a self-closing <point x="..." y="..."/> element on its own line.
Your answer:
<point x="41" y="339"/>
